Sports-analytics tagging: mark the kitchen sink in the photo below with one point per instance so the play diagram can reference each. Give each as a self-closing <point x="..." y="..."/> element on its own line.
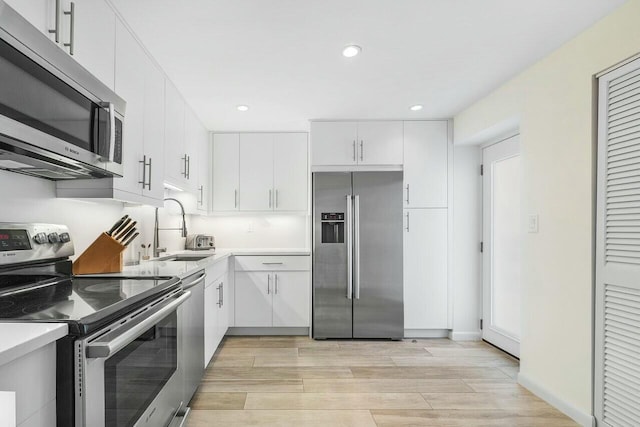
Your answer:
<point x="184" y="258"/>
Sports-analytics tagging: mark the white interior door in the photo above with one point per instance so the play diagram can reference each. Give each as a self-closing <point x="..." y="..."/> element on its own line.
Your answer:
<point x="502" y="245"/>
<point x="617" y="288"/>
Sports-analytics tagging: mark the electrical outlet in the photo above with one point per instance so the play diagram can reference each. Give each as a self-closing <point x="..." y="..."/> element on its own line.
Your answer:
<point x="250" y="227"/>
<point x="532" y="223"/>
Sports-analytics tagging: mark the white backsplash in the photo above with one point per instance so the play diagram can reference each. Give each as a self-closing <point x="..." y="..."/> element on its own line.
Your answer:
<point x="28" y="199"/>
<point x="256" y="231"/>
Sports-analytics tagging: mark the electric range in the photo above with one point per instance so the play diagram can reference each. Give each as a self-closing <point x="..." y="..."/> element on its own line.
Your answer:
<point x="114" y="324"/>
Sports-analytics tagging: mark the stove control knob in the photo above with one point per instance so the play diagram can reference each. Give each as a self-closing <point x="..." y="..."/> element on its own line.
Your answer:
<point x="65" y="238"/>
<point x="40" y="238"/>
<point x="211" y="244"/>
<point x="54" y="238"/>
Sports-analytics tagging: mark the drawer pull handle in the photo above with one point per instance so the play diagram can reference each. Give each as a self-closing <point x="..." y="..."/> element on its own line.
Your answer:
<point x="272" y="263"/>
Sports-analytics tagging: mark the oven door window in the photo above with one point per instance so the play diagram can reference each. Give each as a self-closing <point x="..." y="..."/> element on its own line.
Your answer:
<point x="134" y="376"/>
<point x="32" y="95"/>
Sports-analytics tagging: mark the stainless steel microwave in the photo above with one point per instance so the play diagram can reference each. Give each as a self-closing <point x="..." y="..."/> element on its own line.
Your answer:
<point x="57" y="120"/>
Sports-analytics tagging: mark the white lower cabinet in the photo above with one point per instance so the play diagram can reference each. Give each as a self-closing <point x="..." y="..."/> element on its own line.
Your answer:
<point x="216" y="308"/>
<point x="291" y="298"/>
<point x="425" y="269"/>
<point x="33" y="379"/>
<point x="254" y="306"/>
<point x="272" y="297"/>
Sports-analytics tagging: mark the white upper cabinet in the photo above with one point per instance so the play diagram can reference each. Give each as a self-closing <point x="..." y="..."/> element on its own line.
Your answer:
<point x="130" y="85"/>
<point x="176" y="158"/>
<point x="226" y="172"/>
<point x="153" y="132"/>
<point x="425" y="164"/>
<point x="375" y="143"/>
<point x="260" y="172"/>
<point x="334" y="143"/>
<point x="40" y="13"/>
<point x="84" y="28"/>
<point x="290" y="184"/>
<point x="379" y="143"/>
<point x="193" y="149"/>
<point x="256" y="172"/>
<point x="88" y="35"/>
<point x="204" y="167"/>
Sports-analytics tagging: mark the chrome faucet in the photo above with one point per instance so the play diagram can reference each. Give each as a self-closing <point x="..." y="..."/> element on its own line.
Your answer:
<point x="156" y="235"/>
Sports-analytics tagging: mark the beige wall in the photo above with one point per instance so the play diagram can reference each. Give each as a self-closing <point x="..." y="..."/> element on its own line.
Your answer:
<point x="553" y="101"/>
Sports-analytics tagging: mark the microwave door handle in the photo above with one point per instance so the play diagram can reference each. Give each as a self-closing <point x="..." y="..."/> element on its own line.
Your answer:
<point x="106" y="349"/>
<point x="111" y="128"/>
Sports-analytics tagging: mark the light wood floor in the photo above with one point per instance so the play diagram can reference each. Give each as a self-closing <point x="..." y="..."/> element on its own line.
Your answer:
<point x="296" y="381"/>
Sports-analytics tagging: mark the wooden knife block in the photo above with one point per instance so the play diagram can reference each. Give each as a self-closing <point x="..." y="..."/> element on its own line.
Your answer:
<point x="103" y="256"/>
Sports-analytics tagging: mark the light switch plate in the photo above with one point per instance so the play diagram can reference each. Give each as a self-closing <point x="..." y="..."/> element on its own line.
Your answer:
<point x="532" y="223"/>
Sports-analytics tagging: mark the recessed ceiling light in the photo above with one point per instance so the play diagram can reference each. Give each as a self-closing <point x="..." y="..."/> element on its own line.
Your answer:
<point x="416" y="107"/>
<point x="351" y="50"/>
<point x="243" y="108"/>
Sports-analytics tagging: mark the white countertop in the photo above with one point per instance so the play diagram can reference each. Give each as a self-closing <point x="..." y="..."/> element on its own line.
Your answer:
<point x="157" y="267"/>
<point x="18" y="339"/>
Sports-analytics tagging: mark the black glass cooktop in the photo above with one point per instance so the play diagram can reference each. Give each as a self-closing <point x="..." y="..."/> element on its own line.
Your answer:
<point x="85" y="303"/>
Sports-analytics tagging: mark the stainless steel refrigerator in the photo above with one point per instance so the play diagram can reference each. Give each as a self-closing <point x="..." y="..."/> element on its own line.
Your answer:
<point x="357" y="255"/>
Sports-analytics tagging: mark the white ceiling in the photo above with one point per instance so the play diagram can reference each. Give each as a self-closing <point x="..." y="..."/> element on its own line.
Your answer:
<point x="283" y="57"/>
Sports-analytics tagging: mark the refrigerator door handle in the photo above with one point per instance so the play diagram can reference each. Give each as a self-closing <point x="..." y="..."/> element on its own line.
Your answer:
<point x="349" y="246"/>
<point x="356" y="235"/>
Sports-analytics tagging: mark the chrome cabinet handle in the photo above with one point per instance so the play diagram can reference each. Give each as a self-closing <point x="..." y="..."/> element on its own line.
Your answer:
<point x="72" y="27"/>
<point x="184" y="163"/>
<point x="144" y="171"/>
<point x="235" y="198"/>
<point x="349" y="247"/>
<point x="105" y="347"/>
<point x="201" y="201"/>
<point x="276" y="198"/>
<point x="221" y="294"/>
<point x="361" y="150"/>
<point x="407" y="193"/>
<point x="407" y="222"/>
<point x="56" y="27"/>
<point x="149" y="183"/>
<point x="219" y="288"/>
<point x="272" y="263"/>
<point x="276" y="284"/>
<point x="188" y="168"/>
<point x="268" y="284"/>
<point x="354" y="150"/>
<point x="270" y="194"/>
<point x="356" y="236"/>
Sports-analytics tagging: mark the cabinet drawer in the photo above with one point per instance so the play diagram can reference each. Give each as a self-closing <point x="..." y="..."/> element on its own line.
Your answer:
<point x="273" y="263"/>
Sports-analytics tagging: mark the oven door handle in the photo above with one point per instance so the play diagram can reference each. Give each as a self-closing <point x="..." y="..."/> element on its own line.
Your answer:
<point x="107" y="348"/>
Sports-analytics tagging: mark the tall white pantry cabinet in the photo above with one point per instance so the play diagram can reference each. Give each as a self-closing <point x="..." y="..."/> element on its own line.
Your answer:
<point x="426" y="202"/>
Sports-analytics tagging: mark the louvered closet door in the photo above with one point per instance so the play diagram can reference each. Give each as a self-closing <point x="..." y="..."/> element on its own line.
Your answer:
<point x="617" y="344"/>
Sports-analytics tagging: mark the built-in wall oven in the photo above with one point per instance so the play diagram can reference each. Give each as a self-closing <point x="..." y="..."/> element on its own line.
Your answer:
<point x="57" y="120"/>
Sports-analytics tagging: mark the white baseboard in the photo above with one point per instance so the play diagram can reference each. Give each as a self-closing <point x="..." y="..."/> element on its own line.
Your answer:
<point x="426" y="333"/>
<point x="582" y="418"/>
<point x="465" y="336"/>
<point x="259" y="331"/>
